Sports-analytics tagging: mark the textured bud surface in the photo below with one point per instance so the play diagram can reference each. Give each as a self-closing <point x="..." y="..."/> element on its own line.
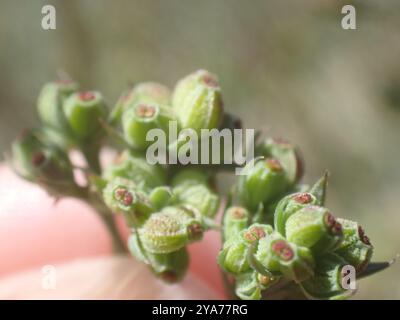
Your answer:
<point x="315" y="228"/>
<point x="290" y="205"/>
<point x="262" y="183"/>
<point x="50" y="102"/>
<point x="169" y="230"/>
<point x="356" y="248"/>
<point x="197" y="101"/>
<point x="287" y="154"/>
<point x="139" y="119"/>
<point x="134" y="167"/>
<point x="235" y="220"/>
<point x="83" y="111"/>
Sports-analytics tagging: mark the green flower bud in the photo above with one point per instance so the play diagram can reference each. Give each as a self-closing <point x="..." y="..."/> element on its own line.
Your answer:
<point x="171" y="229"/>
<point x="355" y="248"/>
<point x="138" y="120"/>
<point x="83" y="112"/>
<point x="189" y="177"/>
<point x="315" y="228"/>
<point x="287" y="154"/>
<point x="122" y="196"/>
<point x="249" y="285"/>
<point x="282" y="257"/>
<point x="160" y="197"/>
<point x="45" y="165"/>
<point x="290" y="205"/>
<point x="233" y="257"/>
<point x="191" y="188"/>
<point x="236" y="219"/>
<point x="200" y="197"/>
<point x="133" y="166"/>
<point x="261" y="183"/>
<point x="50" y="102"/>
<point x="23" y="158"/>
<point x="152" y="92"/>
<point x="327" y="281"/>
<point x="147" y="93"/>
<point x="197" y="101"/>
<point x="170" y="267"/>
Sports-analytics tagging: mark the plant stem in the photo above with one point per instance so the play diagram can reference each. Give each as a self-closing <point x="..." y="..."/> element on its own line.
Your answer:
<point x="118" y="245"/>
<point x="91" y="154"/>
<point x="108" y="220"/>
<point x="104" y="214"/>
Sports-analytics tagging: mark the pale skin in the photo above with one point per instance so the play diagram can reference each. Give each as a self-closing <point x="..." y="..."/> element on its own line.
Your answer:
<point x="36" y="231"/>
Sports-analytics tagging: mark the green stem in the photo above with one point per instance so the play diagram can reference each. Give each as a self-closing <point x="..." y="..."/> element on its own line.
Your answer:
<point x="104" y="214"/>
<point x="118" y="246"/>
<point x="91" y="154"/>
<point x="228" y="284"/>
<point x="108" y="220"/>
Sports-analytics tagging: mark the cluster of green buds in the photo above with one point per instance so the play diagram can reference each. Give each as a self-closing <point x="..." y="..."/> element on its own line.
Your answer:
<point x="304" y="244"/>
<point x="164" y="215"/>
<point x="278" y="231"/>
<point x="166" y="207"/>
<point x="35" y="160"/>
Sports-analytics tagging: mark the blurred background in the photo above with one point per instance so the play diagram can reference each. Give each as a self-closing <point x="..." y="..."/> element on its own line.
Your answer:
<point x="285" y="66"/>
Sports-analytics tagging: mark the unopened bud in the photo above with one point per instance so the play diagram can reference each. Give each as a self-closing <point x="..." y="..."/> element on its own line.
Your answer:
<point x="139" y="119"/>
<point x="197" y="101"/>
<point x="236" y="219"/>
<point x="315" y="228"/>
<point x="356" y="247"/>
<point x="170" y="229"/>
<point x="327" y="281"/>
<point x="261" y="183"/>
<point x="287" y="154"/>
<point x="84" y="111"/>
<point x="169" y="267"/>
<point x="134" y="167"/>
<point x="290" y="205"/>
<point x="50" y="102"/>
<point x="122" y="196"/>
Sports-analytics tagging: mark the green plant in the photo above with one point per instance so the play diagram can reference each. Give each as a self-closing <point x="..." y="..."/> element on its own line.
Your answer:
<point x="279" y="240"/>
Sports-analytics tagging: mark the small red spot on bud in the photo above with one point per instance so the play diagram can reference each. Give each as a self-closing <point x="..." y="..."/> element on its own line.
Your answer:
<point x="337" y="228"/>
<point x="238" y="213"/>
<point x="334" y="227"/>
<point x="255" y="233"/>
<point x="38" y="159"/>
<point x="145" y="111"/>
<point x="303" y="198"/>
<point x="329" y="220"/>
<point x="87" y="95"/>
<point x="128" y="199"/>
<point x="123" y="196"/>
<point x="273" y="164"/>
<point x="210" y="81"/>
<point x="283" y="250"/>
<point x="195" y="231"/>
